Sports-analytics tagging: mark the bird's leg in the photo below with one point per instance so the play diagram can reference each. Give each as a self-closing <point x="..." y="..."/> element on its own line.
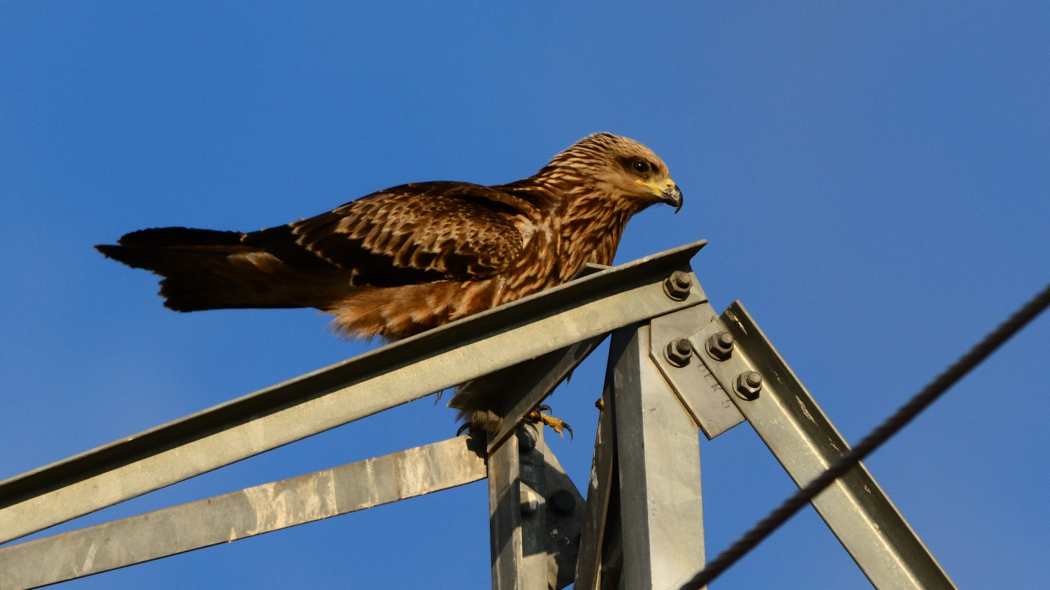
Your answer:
<point x="556" y="424"/>
<point x="486" y="420"/>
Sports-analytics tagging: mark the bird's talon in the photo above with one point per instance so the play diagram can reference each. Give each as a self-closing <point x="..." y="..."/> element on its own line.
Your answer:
<point x="556" y="424"/>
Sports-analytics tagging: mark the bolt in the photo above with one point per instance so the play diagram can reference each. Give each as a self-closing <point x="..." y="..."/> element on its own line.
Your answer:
<point x="526" y="439"/>
<point x="529" y="504"/>
<point x="678" y="352"/>
<point x="677" y="285"/>
<point x="562" y="502"/>
<point x="748" y="384"/>
<point x="720" y="346"/>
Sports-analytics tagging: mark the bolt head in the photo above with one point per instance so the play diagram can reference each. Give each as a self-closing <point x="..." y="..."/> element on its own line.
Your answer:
<point x="720" y="346"/>
<point x="748" y="385"/>
<point x="562" y="502"/>
<point x="678" y="352"/>
<point x="677" y="285"/>
<point x="529" y="504"/>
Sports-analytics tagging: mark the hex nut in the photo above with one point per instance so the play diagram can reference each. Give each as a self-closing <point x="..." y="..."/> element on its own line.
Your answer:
<point x="677" y="285"/>
<point x="562" y="502"/>
<point x="748" y="385"/>
<point x="720" y="346"/>
<point x="678" y="352"/>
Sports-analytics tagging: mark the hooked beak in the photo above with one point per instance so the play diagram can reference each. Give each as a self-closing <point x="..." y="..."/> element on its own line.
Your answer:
<point x="672" y="195"/>
<point x="668" y="192"/>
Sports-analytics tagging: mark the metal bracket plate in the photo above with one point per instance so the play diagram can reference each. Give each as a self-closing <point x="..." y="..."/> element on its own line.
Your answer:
<point x="698" y="390"/>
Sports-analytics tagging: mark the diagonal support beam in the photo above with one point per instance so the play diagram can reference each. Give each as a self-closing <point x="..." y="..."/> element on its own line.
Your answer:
<point x="602" y="508"/>
<point x="242" y="514"/>
<point x="344" y="392"/>
<point x="804" y="440"/>
<point x="509" y="395"/>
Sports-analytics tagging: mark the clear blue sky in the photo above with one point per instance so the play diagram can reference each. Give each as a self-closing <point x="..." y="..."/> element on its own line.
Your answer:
<point x="873" y="179"/>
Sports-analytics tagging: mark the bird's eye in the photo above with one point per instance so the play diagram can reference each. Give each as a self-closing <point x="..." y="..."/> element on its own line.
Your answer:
<point x="641" y="166"/>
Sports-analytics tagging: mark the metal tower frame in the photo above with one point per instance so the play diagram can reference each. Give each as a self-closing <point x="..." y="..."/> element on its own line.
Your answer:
<point x="675" y="367"/>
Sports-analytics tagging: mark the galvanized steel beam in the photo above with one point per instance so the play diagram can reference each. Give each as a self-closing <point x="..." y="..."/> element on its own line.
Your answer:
<point x="239" y="515"/>
<point x="803" y="439"/>
<point x="658" y="453"/>
<point x="517" y="508"/>
<point x="344" y="392"/>
<point x="600" y="507"/>
<point x="500" y="401"/>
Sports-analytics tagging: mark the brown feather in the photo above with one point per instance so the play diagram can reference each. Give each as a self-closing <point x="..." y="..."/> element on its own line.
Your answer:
<point x="413" y="257"/>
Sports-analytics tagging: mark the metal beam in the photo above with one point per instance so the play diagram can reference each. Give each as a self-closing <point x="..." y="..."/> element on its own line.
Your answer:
<point x="517" y="507"/>
<point x="510" y="394"/>
<point x="344" y="392"/>
<point x="239" y="515"/>
<point x="805" y="442"/>
<point x="564" y="519"/>
<point x="589" y="568"/>
<point x="500" y="401"/>
<point x="658" y="450"/>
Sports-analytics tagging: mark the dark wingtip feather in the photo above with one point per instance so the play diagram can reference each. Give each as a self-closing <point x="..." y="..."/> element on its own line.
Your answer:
<point x="133" y="257"/>
<point x="180" y="236"/>
<point x="106" y="249"/>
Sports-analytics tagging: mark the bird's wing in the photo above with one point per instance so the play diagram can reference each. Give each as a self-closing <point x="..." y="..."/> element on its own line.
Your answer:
<point x="407" y="234"/>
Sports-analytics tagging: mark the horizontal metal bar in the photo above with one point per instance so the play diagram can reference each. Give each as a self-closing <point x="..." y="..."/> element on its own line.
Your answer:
<point x="353" y="389"/>
<point x="242" y="514"/>
<point x="804" y="440"/>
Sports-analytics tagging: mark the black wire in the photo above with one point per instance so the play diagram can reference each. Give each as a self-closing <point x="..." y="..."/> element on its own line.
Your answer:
<point x="891" y="426"/>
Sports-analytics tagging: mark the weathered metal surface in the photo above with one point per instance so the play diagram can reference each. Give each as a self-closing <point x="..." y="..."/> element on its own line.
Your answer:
<point x="511" y="393"/>
<point x="344" y="392"/>
<point x="599" y="490"/>
<point x="658" y="453"/>
<point x="564" y="520"/>
<point x="805" y="442"/>
<point x="533" y="492"/>
<point x="517" y="528"/>
<point x="699" y="391"/>
<point x="238" y="515"/>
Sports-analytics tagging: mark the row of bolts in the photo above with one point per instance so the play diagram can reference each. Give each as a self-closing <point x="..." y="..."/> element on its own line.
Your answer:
<point x="719" y="346"/>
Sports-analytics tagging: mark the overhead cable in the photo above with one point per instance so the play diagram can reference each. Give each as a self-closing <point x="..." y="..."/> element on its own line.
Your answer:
<point x="881" y="434"/>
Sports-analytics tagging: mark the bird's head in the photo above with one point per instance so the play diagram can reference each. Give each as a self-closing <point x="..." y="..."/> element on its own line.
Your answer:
<point x="619" y="167"/>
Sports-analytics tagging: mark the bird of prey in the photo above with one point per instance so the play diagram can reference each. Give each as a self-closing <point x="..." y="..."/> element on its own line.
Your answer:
<point x="413" y="257"/>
